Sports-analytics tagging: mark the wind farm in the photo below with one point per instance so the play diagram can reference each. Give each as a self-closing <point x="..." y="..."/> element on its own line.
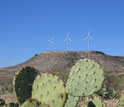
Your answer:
<point x="64" y="53"/>
<point x="68" y="40"/>
<point x="62" y="64"/>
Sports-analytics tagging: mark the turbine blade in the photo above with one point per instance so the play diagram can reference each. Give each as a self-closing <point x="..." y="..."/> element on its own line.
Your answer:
<point x="69" y="39"/>
<point x="65" y="40"/>
<point x="85" y="38"/>
<point x="91" y="38"/>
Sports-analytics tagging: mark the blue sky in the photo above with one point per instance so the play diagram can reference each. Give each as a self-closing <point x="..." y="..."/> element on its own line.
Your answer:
<point x="26" y="25"/>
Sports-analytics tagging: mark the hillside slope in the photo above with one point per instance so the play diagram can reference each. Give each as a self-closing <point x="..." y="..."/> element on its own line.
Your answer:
<point x="61" y="62"/>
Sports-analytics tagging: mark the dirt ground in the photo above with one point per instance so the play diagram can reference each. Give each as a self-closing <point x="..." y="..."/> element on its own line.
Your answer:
<point x="110" y="103"/>
<point x="10" y="97"/>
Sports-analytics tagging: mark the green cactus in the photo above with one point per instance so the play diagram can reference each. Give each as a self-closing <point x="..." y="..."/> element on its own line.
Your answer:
<point x="71" y="101"/>
<point x="33" y="103"/>
<point x="97" y="102"/>
<point x="85" y="78"/>
<point x="2" y="102"/>
<point x="22" y="83"/>
<point x="49" y="89"/>
<point x="83" y="105"/>
<point x="120" y="102"/>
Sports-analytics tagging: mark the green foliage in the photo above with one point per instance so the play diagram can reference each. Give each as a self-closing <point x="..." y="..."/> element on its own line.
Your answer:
<point x="71" y="101"/>
<point x="97" y="102"/>
<point x="2" y="102"/>
<point x="115" y="81"/>
<point x="120" y="102"/>
<point x="85" y="78"/>
<point x="49" y="89"/>
<point x="107" y="93"/>
<point x="22" y="83"/>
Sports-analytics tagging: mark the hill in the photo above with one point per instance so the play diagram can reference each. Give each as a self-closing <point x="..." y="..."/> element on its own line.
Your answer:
<point x="61" y="62"/>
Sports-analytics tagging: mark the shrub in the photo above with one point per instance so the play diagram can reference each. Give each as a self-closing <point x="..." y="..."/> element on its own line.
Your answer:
<point x="6" y="85"/>
<point x="107" y="93"/>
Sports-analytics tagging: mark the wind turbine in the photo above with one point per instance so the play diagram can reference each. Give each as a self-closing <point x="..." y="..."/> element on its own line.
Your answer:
<point x="51" y="42"/>
<point x="88" y="38"/>
<point x="67" y="39"/>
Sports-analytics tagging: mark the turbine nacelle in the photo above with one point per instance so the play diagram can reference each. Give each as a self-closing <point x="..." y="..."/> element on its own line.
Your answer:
<point x="88" y="38"/>
<point x="51" y="41"/>
<point x="67" y="39"/>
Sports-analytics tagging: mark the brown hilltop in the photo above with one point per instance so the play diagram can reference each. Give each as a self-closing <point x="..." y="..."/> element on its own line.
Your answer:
<point x="61" y="62"/>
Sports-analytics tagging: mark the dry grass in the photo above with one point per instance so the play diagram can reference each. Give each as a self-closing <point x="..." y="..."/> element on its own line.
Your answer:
<point x="8" y="97"/>
<point x="110" y="103"/>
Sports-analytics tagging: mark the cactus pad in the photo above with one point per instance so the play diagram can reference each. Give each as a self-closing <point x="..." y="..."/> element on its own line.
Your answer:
<point x="71" y="101"/>
<point x="33" y="103"/>
<point x="83" y="105"/>
<point x="85" y="78"/>
<point x="97" y="102"/>
<point x="49" y="89"/>
<point x="22" y="83"/>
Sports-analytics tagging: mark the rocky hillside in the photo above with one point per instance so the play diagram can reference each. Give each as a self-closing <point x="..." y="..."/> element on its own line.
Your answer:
<point x="61" y="62"/>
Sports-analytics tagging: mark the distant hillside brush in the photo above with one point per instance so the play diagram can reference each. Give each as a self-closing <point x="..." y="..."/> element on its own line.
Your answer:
<point x="6" y="85"/>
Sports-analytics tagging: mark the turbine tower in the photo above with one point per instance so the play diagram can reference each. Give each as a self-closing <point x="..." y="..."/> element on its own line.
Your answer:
<point x="88" y="38"/>
<point x="51" y="42"/>
<point x="67" y="39"/>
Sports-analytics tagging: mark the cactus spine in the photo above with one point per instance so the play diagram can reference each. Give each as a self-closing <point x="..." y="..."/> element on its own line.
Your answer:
<point x="49" y="89"/>
<point x="22" y="83"/>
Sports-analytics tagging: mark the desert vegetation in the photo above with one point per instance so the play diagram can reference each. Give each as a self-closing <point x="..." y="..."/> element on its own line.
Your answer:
<point x="84" y="87"/>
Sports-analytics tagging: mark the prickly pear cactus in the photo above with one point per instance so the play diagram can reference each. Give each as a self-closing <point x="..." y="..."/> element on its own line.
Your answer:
<point x="49" y="89"/>
<point x="29" y="104"/>
<point x="33" y="103"/>
<point x="85" y="78"/>
<point x="22" y="83"/>
<point x="83" y="105"/>
<point x="71" y="101"/>
<point x="97" y="102"/>
<point x="2" y="102"/>
<point x="120" y="102"/>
